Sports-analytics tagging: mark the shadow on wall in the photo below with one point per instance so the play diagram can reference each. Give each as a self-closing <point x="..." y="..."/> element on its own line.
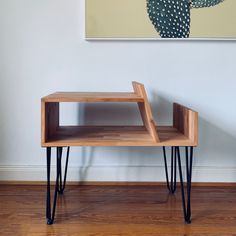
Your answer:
<point x="215" y="144"/>
<point x="87" y="162"/>
<point x="216" y="147"/>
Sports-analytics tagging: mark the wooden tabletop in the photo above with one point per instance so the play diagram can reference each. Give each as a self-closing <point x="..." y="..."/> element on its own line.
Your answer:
<point x="92" y="97"/>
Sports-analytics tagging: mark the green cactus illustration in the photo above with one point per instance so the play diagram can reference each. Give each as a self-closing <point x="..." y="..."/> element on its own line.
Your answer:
<point x="171" y="18"/>
<point x="204" y="3"/>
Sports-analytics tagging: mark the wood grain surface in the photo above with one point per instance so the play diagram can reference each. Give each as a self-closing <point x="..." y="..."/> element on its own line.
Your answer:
<point x="115" y="136"/>
<point x="186" y="121"/>
<point x="146" y="111"/>
<point x="117" y="210"/>
<point x="92" y="97"/>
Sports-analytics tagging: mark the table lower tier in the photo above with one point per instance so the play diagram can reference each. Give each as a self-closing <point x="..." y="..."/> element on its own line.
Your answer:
<point x="115" y="136"/>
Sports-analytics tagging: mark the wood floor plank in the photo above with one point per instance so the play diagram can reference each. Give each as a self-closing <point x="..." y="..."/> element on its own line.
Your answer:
<point x="117" y="210"/>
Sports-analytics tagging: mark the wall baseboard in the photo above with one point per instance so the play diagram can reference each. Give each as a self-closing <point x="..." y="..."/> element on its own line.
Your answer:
<point x="116" y="174"/>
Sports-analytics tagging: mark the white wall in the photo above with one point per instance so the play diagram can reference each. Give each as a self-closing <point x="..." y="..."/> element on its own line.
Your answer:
<point x="42" y="50"/>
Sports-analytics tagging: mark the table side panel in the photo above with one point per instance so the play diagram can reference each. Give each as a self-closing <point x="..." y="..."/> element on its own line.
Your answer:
<point x="146" y="111"/>
<point x="186" y="121"/>
<point x="49" y="120"/>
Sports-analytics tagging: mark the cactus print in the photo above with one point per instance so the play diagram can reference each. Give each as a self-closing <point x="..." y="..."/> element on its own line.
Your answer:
<point x="171" y="18"/>
<point x="204" y="3"/>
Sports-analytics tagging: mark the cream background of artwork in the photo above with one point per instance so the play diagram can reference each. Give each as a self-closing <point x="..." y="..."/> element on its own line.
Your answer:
<point x="129" y="19"/>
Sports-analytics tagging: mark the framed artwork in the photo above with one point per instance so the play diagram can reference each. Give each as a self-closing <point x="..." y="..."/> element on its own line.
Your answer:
<point x="160" y="19"/>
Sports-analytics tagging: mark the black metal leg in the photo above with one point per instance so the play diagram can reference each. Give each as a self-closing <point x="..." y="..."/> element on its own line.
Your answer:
<point x="50" y="215"/>
<point x="59" y="149"/>
<point x="171" y="185"/>
<point x="48" y="206"/>
<point x="59" y="187"/>
<point x="189" y="162"/>
<point x="62" y="186"/>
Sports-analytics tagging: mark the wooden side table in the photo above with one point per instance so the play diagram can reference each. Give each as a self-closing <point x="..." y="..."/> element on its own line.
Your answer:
<point x="183" y="133"/>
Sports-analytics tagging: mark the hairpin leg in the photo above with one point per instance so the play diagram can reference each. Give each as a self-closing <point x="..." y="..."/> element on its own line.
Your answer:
<point x="59" y="187"/>
<point x="51" y="214"/>
<point x="170" y="185"/>
<point x="189" y="162"/>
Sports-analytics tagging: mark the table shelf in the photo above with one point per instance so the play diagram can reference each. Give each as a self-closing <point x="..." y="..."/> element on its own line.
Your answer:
<point x="115" y="136"/>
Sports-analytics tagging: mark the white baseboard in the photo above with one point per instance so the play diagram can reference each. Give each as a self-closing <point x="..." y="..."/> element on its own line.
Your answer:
<point x="115" y="173"/>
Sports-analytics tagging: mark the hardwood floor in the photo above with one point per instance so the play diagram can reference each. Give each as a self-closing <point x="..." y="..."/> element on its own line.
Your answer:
<point x="117" y="210"/>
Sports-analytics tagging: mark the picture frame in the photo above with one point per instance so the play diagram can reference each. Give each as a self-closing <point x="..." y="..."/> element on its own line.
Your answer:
<point x="156" y="20"/>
